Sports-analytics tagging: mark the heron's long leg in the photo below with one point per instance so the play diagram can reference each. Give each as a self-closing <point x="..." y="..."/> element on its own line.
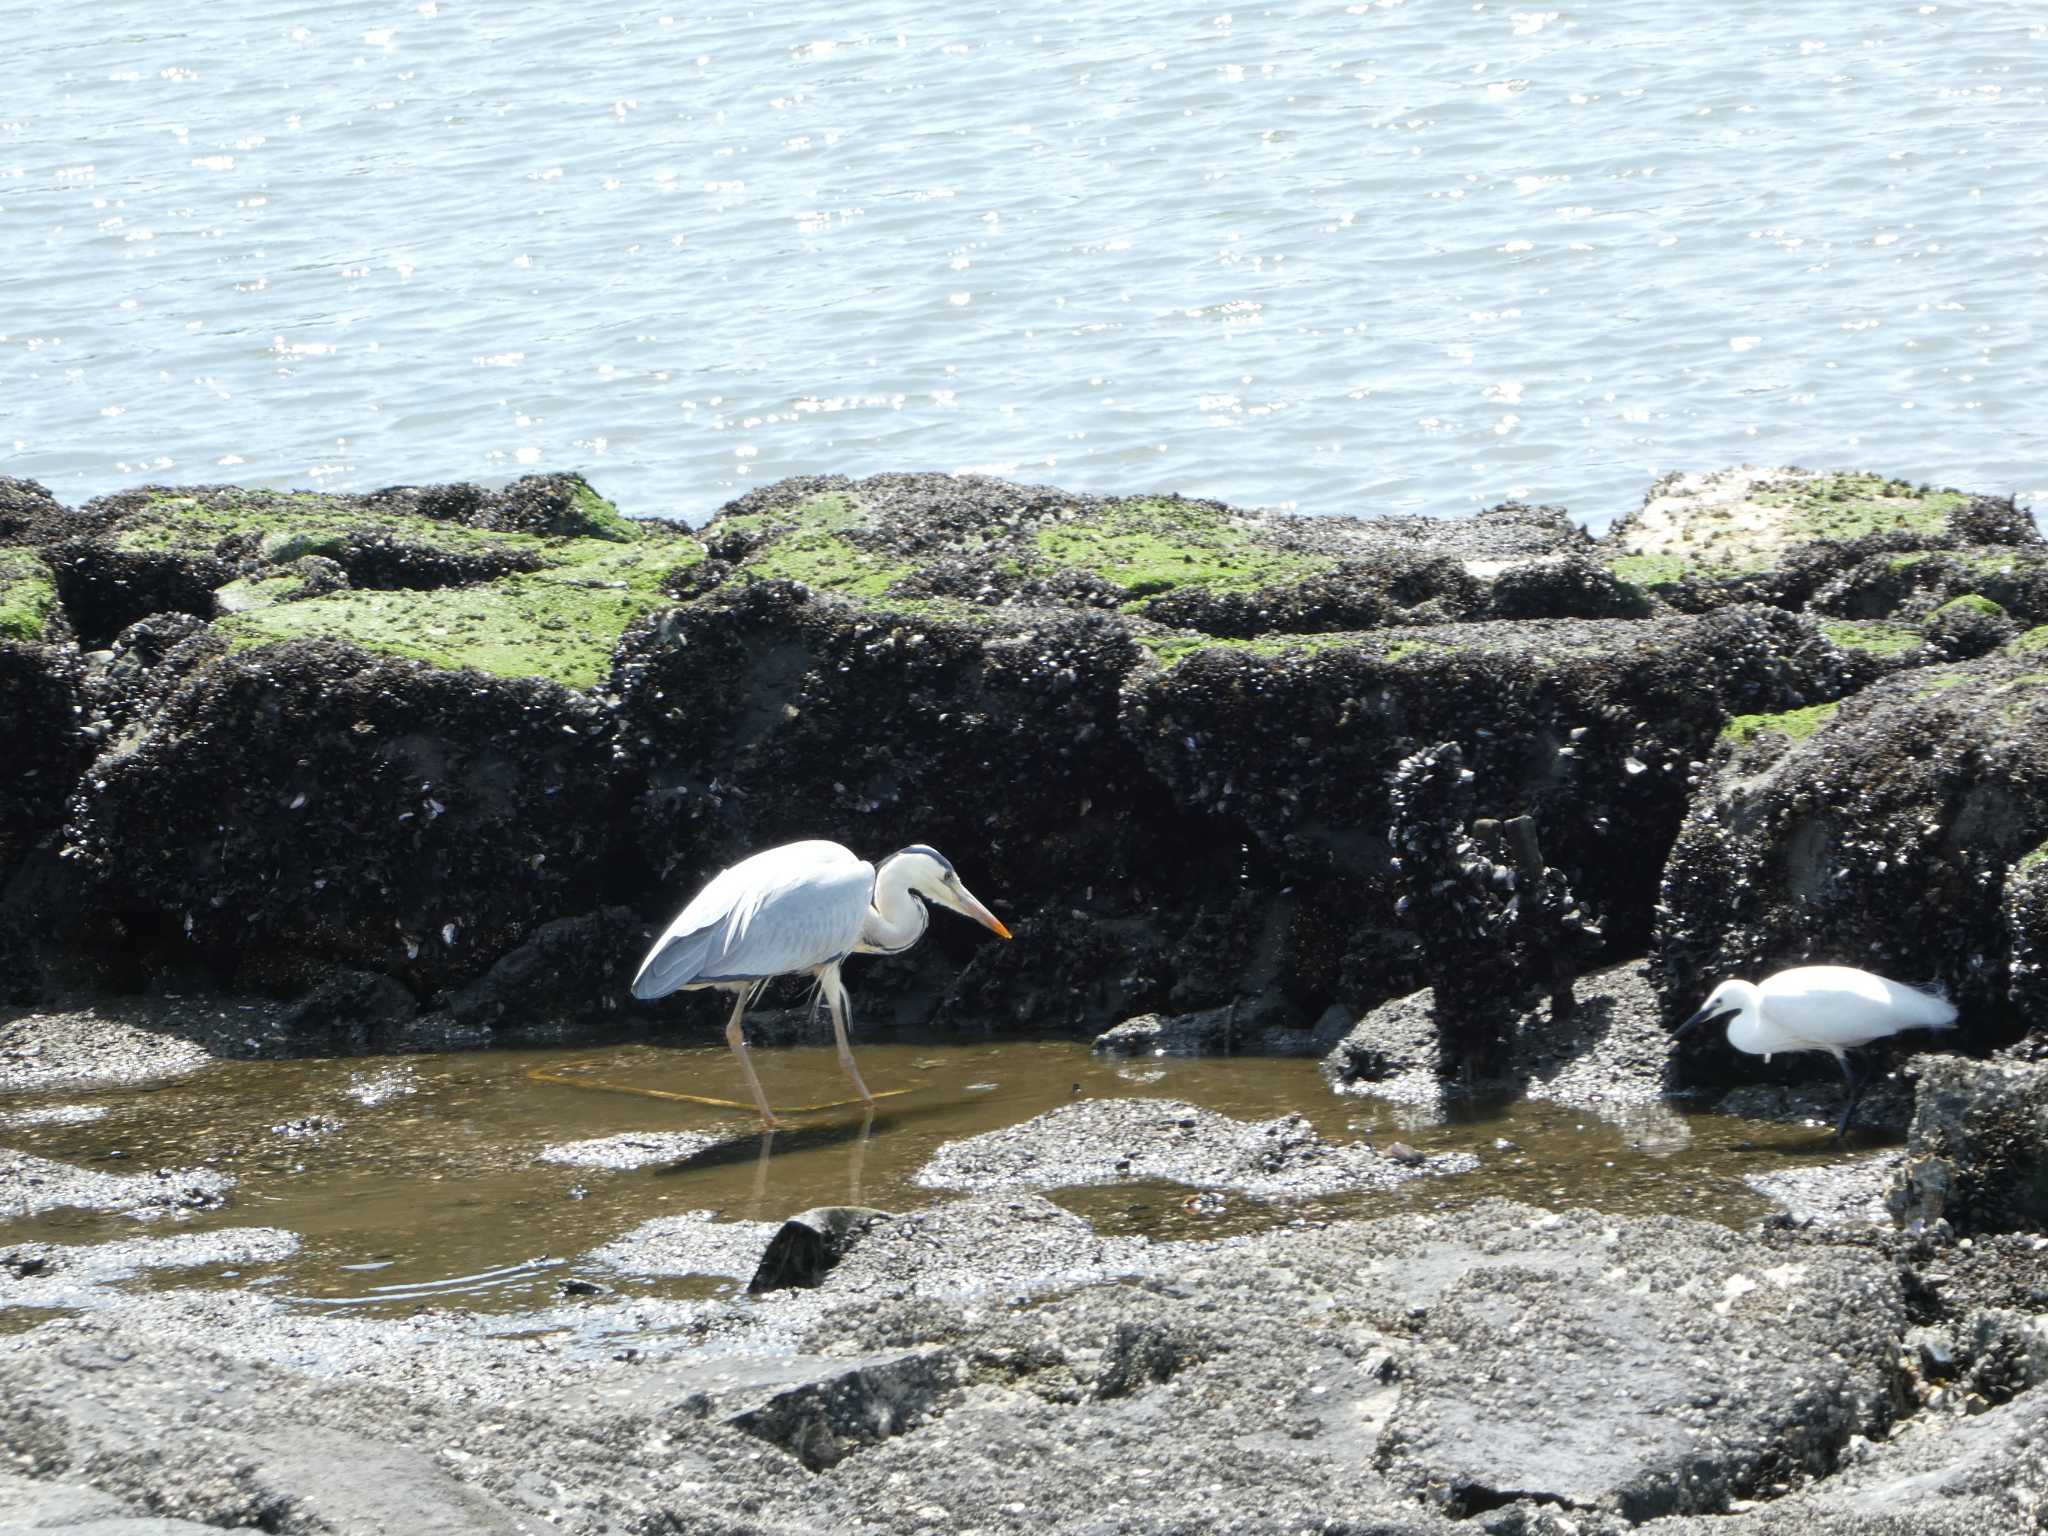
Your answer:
<point x="858" y="1162"/>
<point x="835" y="994"/>
<point x="761" y="1163"/>
<point x="738" y="1042"/>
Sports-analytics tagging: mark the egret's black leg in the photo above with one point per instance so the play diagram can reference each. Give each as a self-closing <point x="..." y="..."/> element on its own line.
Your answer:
<point x="1857" y="1082"/>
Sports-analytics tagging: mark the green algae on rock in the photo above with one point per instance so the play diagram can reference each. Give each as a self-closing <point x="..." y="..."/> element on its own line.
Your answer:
<point x="559" y="621"/>
<point x="28" y="594"/>
<point x="1873" y="637"/>
<point x="1152" y="545"/>
<point x="538" y="579"/>
<point x="906" y="542"/>
<point x="1973" y="602"/>
<point x="1792" y="724"/>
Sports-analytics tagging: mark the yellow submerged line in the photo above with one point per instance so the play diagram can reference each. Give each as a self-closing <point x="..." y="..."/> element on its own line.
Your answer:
<point x="543" y="1075"/>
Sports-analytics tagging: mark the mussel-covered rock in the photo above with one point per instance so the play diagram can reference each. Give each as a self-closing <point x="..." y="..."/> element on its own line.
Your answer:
<point x="387" y="815"/>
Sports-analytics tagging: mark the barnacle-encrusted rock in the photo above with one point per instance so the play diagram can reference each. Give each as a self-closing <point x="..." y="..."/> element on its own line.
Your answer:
<point x="383" y="814"/>
<point x="30" y="515"/>
<point x="1592" y="727"/>
<point x="1977" y="1155"/>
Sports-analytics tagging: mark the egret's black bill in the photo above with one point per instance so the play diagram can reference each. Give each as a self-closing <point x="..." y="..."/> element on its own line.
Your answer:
<point x="1704" y="1016"/>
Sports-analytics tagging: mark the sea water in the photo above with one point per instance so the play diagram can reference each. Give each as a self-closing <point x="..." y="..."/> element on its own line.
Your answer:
<point x="1375" y="257"/>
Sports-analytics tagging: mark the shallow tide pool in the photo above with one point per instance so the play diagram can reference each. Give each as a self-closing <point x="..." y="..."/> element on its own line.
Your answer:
<point x="420" y="1179"/>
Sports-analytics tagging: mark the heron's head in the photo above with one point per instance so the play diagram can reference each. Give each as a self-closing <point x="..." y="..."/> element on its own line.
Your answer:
<point x="930" y="873"/>
<point x="1724" y="1002"/>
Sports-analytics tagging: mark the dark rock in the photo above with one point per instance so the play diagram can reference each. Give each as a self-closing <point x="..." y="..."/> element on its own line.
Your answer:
<point x="383" y="815"/>
<point x="2026" y="918"/>
<point x="457" y="503"/>
<point x="1496" y="925"/>
<point x="1891" y="583"/>
<point x="1299" y="748"/>
<point x="42" y="697"/>
<point x="145" y="662"/>
<point x="105" y="588"/>
<point x="1170" y="819"/>
<point x="1969" y="626"/>
<point x="1977" y="1156"/>
<point x="558" y="505"/>
<point x="1993" y="520"/>
<point x="1569" y="586"/>
<point x="381" y="561"/>
<point x="348" y="1010"/>
<point x="318" y="575"/>
<point x="1352" y="595"/>
<point x="570" y="969"/>
<point x="1263" y="1026"/>
<point x="30" y="516"/>
<point x="810" y="1243"/>
<point x="551" y="505"/>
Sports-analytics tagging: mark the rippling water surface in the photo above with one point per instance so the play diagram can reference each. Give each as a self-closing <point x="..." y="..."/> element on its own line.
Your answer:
<point x="1383" y="256"/>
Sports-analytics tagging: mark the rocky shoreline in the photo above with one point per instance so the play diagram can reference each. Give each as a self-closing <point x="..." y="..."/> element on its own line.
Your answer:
<point x="1472" y="807"/>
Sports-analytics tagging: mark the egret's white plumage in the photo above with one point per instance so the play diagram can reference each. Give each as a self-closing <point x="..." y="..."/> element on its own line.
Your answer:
<point x="801" y="909"/>
<point x="1832" y="1008"/>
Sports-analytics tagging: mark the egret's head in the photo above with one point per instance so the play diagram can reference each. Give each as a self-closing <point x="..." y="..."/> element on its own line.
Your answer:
<point x="1724" y="1002"/>
<point x="931" y="874"/>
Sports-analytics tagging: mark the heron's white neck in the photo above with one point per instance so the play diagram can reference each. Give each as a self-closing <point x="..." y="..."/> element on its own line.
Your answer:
<point x="897" y="919"/>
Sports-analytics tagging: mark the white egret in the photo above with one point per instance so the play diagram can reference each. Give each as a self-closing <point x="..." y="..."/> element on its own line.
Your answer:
<point x="801" y="909"/>
<point x="1832" y="1008"/>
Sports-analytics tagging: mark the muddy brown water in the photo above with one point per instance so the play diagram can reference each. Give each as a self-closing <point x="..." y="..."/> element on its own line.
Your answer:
<point x="418" y="1179"/>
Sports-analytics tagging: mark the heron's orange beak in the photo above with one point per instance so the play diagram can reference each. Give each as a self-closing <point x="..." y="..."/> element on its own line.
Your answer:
<point x="981" y="914"/>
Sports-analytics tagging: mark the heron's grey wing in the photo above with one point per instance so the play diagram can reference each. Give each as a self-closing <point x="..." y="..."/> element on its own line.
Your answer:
<point x="805" y="923"/>
<point x="784" y="910"/>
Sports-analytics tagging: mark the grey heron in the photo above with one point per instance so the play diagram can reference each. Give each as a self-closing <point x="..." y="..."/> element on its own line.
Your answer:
<point x="1832" y="1008"/>
<point x="803" y="909"/>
